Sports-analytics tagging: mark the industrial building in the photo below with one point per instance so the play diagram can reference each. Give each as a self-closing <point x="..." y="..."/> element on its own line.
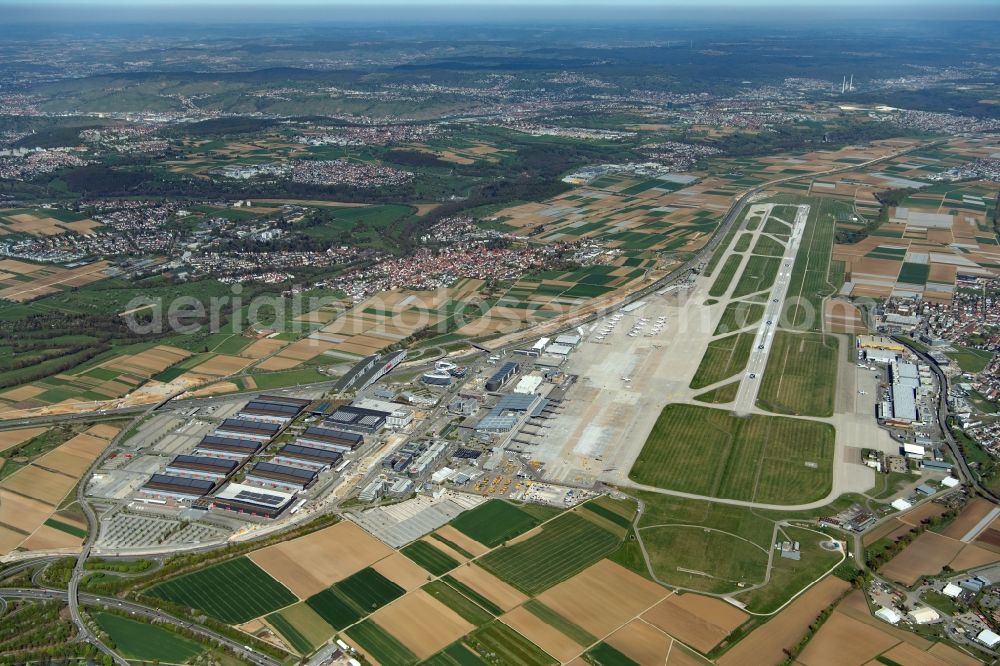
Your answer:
<point x="271" y="409"/>
<point x="368" y="371"/>
<point x="509" y="411"/>
<point x="244" y="429"/>
<point x="281" y="476"/>
<point x="304" y="456"/>
<point x="373" y="490"/>
<point x="357" y="419"/>
<point x="529" y="384"/>
<point x="252" y="500"/>
<point x="501" y="376"/>
<point x="230" y="448"/>
<point x="397" y="416"/>
<point x="328" y="438"/>
<point x="201" y="467"/>
<point x="166" y="486"/>
<point x="428" y="459"/>
<point x="905" y="382"/>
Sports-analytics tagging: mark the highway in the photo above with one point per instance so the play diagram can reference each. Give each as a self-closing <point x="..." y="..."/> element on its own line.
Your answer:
<point x="746" y="395"/>
<point x="46" y="594"/>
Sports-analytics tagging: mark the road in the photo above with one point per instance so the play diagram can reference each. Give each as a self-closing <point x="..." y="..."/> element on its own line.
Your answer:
<point x="965" y="473"/>
<point x="133" y="608"/>
<point x="746" y="395"/>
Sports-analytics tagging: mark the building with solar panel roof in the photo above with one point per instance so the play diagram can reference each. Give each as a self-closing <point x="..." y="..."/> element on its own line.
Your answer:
<point x="357" y="419"/>
<point x="252" y="500"/>
<point x="230" y="448"/>
<point x="283" y="477"/>
<point x="178" y="488"/>
<point x="330" y="438"/>
<point x="245" y="429"/>
<point x="273" y="409"/>
<point x="201" y="467"/>
<point x="318" y="460"/>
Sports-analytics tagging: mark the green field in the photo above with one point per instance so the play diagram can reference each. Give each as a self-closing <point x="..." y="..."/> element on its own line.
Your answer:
<point x="458" y="602"/>
<point x="138" y="640"/>
<point x="603" y="654"/>
<point x="738" y="315"/>
<point x="724" y="358"/>
<point x="580" y="635"/>
<point x="468" y="592"/>
<point x="758" y="275"/>
<point x="494" y="521"/>
<point x="790" y="576"/>
<point x="710" y="452"/>
<point x="234" y="592"/>
<point x="507" y="646"/>
<point x="743" y="243"/>
<point x="970" y="359"/>
<point x="301" y="626"/>
<point x="725" y="276"/>
<point x="684" y="536"/>
<point x="381" y="644"/>
<point x="273" y="380"/>
<point x="369" y="589"/>
<point x="429" y="557"/>
<point x="335" y="610"/>
<point x="801" y="375"/>
<point x="455" y="654"/>
<point x="912" y="273"/>
<point x="565" y="546"/>
<point x="768" y="247"/>
<point x="721" y="395"/>
<point x="814" y="275"/>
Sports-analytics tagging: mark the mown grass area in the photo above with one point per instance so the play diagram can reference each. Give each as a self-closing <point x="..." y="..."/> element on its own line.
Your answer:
<point x="684" y="536"/>
<point x="234" y="591"/>
<point x="768" y="247"/>
<point x="565" y="546"/>
<point x="758" y="275"/>
<point x="725" y="276"/>
<point x="139" y="640"/>
<point x="790" y="576"/>
<point x="739" y="315"/>
<point x="801" y="375"/>
<point x="721" y="395"/>
<point x="814" y="275"/>
<point x="724" y="358"/>
<point x="743" y="243"/>
<point x="970" y="359"/>
<point x="710" y="452"/>
<point x="495" y="521"/>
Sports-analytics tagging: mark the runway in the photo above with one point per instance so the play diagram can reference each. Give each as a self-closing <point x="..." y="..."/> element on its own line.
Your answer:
<point x="746" y="395"/>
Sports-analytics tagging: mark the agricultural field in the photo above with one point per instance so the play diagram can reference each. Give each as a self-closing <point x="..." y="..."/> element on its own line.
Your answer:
<point x="234" y="591"/>
<point x="724" y="358"/>
<point x="334" y="609"/>
<point x="369" y="590"/>
<point x="465" y="607"/>
<point x="800" y="374"/>
<point x="565" y="546"/>
<point x="380" y="644"/>
<point x="139" y="640"/>
<point x="760" y="458"/>
<point x="43" y="222"/>
<point x="39" y="469"/>
<point x="495" y="521"/>
<point x="21" y="282"/>
<point x="429" y="557"/>
<point x="301" y="626"/>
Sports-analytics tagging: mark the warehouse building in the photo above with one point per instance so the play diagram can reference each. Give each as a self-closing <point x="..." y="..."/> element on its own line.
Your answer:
<point x="328" y="438"/>
<point x="201" y="467"/>
<point x="166" y="486"/>
<point x="281" y="476"/>
<point x="501" y="376"/>
<point x="568" y="339"/>
<point x="318" y="460"/>
<point x="528" y="384"/>
<point x="509" y="411"/>
<point x="244" y="429"/>
<point x="230" y="448"/>
<point x="252" y="500"/>
<point x="357" y="419"/>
